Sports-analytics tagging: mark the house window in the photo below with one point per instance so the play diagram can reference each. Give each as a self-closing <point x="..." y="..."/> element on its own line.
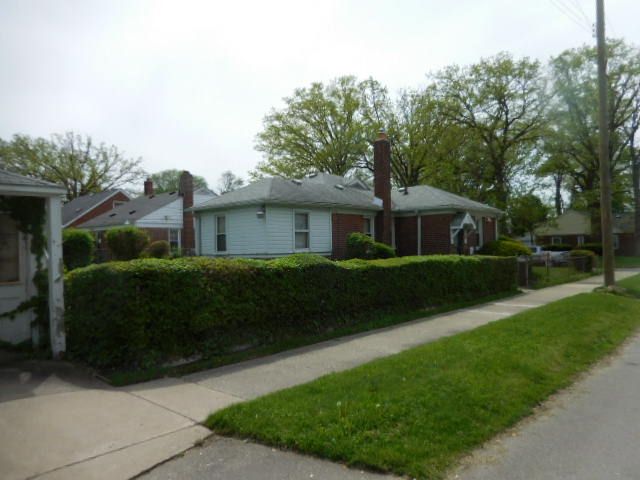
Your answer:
<point x="616" y="242"/>
<point x="556" y="240"/>
<point x="301" y="231"/>
<point x="174" y="238"/>
<point x="580" y="239"/>
<point x="221" y="233"/>
<point x="367" y="226"/>
<point x="9" y="250"/>
<point x="117" y="203"/>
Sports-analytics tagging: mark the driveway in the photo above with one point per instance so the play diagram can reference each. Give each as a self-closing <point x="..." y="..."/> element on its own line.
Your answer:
<point x="58" y="422"/>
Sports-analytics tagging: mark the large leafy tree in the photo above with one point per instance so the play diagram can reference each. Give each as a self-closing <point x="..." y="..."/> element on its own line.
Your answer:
<point x="573" y="123"/>
<point x="499" y="105"/>
<point x="319" y="129"/>
<point x="228" y="182"/>
<point x="526" y="213"/>
<point x="75" y="161"/>
<point x="169" y="181"/>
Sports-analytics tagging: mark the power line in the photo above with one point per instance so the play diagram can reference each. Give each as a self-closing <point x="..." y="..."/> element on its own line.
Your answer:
<point x="569" y="14"/>
<point x="582" y="13"/>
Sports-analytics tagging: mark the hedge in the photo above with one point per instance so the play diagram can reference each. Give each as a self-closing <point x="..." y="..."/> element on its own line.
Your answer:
<point x="143" y="312"/>
<point x="127" y="243"/>
<point x="364" y="247"/>
<point x="78" y="247"/>
<point x="504" y="248"/>
<point x="593" y="247"/>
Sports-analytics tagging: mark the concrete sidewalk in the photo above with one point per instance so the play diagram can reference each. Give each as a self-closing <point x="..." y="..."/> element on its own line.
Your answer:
<point x="56" y="422"/>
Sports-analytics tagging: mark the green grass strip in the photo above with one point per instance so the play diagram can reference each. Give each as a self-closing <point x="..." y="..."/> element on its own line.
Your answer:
<point x="416" y="413"/>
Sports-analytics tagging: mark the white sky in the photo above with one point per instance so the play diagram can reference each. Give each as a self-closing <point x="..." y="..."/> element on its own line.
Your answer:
<point x="185" y="84"/>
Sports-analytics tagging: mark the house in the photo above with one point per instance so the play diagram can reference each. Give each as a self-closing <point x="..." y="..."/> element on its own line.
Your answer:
<point x="18" y="264"/>
<point x="162" y="215"/>
<point x="573" y="228"/>
<point x="84" y="208"/>
<point x="276" y="216"/>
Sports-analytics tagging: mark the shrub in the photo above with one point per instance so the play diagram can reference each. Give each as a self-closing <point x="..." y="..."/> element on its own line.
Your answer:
<point x="593" y="247"/>
<point x="78" y="247"/>
<point x="558" y="247"/>
<point x="582" y="260"/>
<point x="364" y="247"/>
<point x="140" y="313"/>
<point x="504" y="248"/>
<point x="127" y="243"/>
<point x="158" y="249"/>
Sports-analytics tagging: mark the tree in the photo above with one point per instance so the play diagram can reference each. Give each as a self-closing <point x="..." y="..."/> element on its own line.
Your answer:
<point x="574" y="122"/>
<point x="319" y="129"/>
<point x="500" y="104"/>
<point x="526" y="213"/>
<point x="72" y="160"/>
<point x="169" y="181"/>
<point x="229" y="182"/>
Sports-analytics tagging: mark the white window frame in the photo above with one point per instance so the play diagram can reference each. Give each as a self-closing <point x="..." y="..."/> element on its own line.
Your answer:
<point x="225" y="233"/>
<point x="371" y="232"/>
<point x="307" y="231"/>
<point x="616" y="241"/>
<point x="178" y="237"/>
<point x="556" y="240"/>
<point x="580" y="240"/>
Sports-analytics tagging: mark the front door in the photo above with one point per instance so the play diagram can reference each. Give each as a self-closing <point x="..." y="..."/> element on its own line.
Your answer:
<point x="460" y="242"/>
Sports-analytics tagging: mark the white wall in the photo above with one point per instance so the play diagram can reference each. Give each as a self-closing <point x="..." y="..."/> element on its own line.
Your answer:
<point x="169" y="216"/>
<point x="269" y="235"/>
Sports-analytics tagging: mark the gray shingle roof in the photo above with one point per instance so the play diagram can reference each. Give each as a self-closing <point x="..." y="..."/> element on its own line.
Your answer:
<point x="321" y="190"/>
<point x="80" y="205"/>
<point x="10" y="178"/>
<point x="425" y="197"/>
<point x="307" y="191"/>
<point x="132" y="210"/>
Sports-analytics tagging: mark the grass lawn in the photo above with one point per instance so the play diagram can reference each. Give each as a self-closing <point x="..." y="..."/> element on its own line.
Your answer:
<point x="556" y="276"/>
<point x="416" y="413"/>
<point x="372" y="322"/>
<point x="632" y="284"/>
<point x="627" y="262"/>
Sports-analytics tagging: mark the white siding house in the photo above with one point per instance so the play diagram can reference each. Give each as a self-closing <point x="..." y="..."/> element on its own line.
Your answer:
<point x="264" y="231"/>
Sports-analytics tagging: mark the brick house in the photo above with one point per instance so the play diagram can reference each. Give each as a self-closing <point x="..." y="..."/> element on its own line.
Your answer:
<point x="573" y="228"/>
<point x="161" y="215"/>
<point x="277" y="216"/>
<point x="84" y="208"/>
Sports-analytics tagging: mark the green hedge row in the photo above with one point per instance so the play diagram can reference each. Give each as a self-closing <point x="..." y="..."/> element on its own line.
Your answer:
<point x="142" y="312"/>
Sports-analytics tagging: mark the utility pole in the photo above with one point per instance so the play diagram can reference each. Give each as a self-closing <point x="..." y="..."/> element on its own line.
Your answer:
<point x="605" y="172"/>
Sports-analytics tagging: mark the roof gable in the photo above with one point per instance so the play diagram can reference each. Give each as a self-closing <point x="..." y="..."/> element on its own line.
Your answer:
<point x="82" y="205"/>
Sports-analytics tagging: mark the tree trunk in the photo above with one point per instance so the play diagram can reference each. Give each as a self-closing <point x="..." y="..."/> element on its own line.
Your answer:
<point x="558" y="194"/>
<point x="635" y="175"/>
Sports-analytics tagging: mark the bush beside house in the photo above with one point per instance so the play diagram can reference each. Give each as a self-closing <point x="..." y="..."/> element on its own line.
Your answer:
<point x="158" y="249"/>
<point x="505" y="248"/>
<point x="78" y="247"/>
<point x="140" y="313"/>
<point x="364" y="247"/>
<point x="127" y="243"/>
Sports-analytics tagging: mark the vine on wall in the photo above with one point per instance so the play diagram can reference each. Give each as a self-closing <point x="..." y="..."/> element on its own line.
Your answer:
<point x="29" y="215"/>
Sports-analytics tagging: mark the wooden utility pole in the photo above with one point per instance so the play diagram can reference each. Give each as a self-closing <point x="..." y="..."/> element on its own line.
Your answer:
<point x="605" y="171"/>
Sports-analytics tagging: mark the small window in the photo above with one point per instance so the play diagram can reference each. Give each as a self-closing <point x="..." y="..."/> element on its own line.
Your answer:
<point x="174" y="238"/>
<point x="9" y="250"/>
<point x="302" y="231"/>
<point x="367" y="227"/>
<point x="556" y="240"/>
<point x="221" y="233"/>
<point x="580" y="239"/>
<point x="117" y="203"/>
<point x="616" y="242"/>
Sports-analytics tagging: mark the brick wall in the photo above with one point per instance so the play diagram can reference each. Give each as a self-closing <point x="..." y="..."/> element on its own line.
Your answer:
<point x="100" y="209"/>
<point x="341" y="226"/>
<point x="406" y="236"/>
<point x="488" y="229"/>
<point x="436" y="234"/>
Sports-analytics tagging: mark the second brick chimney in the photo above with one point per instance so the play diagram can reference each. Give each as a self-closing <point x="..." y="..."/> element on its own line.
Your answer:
<point x="382" y="186"/>
<point x="148" y="187"/>
<point x="185" y="190"/>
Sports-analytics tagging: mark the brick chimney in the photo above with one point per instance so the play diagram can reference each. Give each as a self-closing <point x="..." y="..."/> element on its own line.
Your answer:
<point x="382" y="186"/>
<point x="185" y="190"/>
<point x="148" y="187"/>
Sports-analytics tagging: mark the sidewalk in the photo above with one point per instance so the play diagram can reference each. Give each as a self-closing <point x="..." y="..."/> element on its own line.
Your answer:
<point x="57" y="423"/>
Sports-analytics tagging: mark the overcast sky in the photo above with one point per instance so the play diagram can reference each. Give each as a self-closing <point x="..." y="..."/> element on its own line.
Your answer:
<point x="185" y="84"/>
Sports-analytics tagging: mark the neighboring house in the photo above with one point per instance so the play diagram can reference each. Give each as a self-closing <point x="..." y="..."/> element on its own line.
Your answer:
<point x="84" y="208"/>
<point x="18" y="265"/>
<point x="276" y="216"/>
<point x="573" y="227"/>
<point x="162" y="215"/>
